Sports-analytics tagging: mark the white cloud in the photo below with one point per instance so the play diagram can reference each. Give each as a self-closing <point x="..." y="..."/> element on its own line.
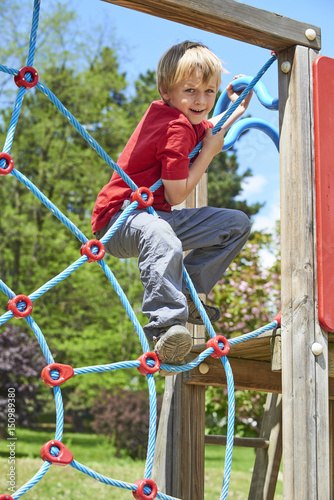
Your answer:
<point x="252" y="185"/>
<point x="267" y="218"/>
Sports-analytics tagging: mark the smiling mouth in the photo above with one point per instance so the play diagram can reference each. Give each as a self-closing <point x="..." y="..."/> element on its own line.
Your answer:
<point x="197" y="111"/>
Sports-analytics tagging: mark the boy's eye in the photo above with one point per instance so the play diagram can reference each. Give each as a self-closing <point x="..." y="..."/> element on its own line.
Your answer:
<point x="189" y="90"/>
<point x="209" y="91"/>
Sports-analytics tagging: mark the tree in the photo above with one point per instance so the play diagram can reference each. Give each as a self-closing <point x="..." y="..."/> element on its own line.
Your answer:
<point x="225" y="184"/>
<point x="82" y="317"/>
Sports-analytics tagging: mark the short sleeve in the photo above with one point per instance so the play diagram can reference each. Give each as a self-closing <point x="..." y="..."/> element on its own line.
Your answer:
<point x="173" y="149"/>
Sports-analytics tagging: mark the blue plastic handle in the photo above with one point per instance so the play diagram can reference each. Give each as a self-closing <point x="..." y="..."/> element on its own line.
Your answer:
<point x="247" y="123"/>
<point x="240" y="84"/>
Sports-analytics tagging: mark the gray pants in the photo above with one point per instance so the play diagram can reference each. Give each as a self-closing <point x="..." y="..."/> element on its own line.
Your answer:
<point x="214" y="235"/>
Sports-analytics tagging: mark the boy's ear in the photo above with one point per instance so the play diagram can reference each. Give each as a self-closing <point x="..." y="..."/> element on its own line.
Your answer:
<point x="164" y="95"/>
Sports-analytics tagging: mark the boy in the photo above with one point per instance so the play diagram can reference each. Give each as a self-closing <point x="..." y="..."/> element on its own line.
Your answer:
<point x="188" y="78"/>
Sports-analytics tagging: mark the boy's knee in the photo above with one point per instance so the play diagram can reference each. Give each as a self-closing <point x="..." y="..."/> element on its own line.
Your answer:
<point x="242" y="222"/>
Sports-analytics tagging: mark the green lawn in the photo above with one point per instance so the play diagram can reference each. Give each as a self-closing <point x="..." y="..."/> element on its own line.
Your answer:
<point x="96" y="453"/>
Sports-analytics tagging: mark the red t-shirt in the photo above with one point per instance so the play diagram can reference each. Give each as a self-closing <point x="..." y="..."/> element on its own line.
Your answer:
<point x="158" y="148"/>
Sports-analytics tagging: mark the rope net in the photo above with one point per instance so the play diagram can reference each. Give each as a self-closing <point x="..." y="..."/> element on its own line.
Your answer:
<point x="21" y="306"/>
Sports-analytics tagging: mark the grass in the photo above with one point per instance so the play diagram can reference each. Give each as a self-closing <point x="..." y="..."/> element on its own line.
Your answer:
<point x="98" y="454"/>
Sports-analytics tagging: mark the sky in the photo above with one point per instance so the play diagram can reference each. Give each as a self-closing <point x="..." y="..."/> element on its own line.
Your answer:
<point x="145" y="38"/>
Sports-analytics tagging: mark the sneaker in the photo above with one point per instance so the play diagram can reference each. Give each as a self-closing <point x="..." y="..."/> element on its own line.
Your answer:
<point x="195" y="317"/>
<point x="173" y="344"/>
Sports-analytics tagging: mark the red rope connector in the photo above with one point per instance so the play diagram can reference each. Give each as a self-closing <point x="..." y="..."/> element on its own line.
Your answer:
<point x="6" y="497"/>
<point x="139" y="494"/>
<point x="64" y="457"/>
<point x="137" y="196"/>
<point x="65" y="373"/>
<point x="274" y="53"/>
<point x="9" y="164"/>
<point x="278" y="318"/>
<point x="21" y="81"/>
<point x="13" y="303"/>
<point x="214" y="343"/>
<point x="86" y="249"/>
<point x="144" y="369"/>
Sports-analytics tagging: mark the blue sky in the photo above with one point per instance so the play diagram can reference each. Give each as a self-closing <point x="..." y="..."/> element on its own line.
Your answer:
<point x="146" y="37"/>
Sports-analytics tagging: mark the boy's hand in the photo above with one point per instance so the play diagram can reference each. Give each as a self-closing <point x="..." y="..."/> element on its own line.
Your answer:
<point x="213" y="143"/>
<point x="233" y="96"/>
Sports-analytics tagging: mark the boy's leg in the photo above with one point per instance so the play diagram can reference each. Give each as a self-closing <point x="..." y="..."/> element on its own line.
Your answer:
<point x="215" y="236"/>
<point x="160" y="261"/>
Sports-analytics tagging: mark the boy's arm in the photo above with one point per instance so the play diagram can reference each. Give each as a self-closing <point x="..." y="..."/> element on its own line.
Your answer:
<point x="177" y="191"/>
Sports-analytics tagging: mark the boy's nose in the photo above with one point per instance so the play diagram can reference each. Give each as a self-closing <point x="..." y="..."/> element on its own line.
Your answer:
<point x="200" y="97"/>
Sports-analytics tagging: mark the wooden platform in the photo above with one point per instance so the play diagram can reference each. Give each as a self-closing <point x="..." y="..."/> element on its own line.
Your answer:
<point x="256" y="365"/>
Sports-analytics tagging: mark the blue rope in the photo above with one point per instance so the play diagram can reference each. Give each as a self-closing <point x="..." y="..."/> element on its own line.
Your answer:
<point x="33" y="481"/>
<point x="33" y="33"/>
<point x="234" y="106"/>
<point x="86" y="135"/>
<point x="80" y="261"/>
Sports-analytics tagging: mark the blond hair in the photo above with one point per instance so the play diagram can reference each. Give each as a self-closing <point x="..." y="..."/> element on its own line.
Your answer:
<point x="179" y="62"/>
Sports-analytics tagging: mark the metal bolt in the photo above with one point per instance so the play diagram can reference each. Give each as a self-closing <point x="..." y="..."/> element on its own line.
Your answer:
<point x="317" y="349"/>
<point x="203" y="368"/>
<point x="286" y="66"/>
<point x="310" y="34"/>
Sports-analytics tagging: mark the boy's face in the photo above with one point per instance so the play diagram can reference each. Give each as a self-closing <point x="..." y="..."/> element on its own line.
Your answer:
<point x="192" y="97"/>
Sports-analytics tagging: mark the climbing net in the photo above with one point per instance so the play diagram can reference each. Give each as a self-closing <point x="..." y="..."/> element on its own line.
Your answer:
<point x="21" y="306"/>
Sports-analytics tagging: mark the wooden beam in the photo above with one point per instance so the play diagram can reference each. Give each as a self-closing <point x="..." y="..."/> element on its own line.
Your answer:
<point x="331" y="447"/>
<point x="178" y="466"/>
<point x="248" y="374"/>
<point x="242" y="442"/>
<point x="231" y="19"/>
<point x="268" y="460"/>
<point x="304" y="376"/>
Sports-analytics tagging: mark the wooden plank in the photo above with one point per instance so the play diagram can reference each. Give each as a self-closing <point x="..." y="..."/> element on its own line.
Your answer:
<point x="256" y="349"/>
<point x="304" y="376"/>
<point x="331" y="447"/>
<point x="268" y="460"/>
<point x="231" y="19"/>
<point x="179" y="459"/>
<point x="242" y="442"/>
<point x="248" y="374"/>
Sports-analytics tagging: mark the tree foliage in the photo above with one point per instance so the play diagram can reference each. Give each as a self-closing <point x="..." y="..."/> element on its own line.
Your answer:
<point x="82" y="317"/>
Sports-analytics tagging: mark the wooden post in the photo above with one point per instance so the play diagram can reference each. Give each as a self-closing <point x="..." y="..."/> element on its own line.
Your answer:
<point x="331" y="447"/>
<point x="267" y="462"/>
<point x="304" y="376"/>
<point x="179" y="459"/>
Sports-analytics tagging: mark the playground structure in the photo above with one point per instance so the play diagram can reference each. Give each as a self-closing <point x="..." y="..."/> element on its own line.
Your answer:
<point x="306" y="375"/>
<point x="308" y="463"/>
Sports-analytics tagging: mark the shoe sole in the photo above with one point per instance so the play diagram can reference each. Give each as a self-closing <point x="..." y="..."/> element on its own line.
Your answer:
<point x="174" y="345"/>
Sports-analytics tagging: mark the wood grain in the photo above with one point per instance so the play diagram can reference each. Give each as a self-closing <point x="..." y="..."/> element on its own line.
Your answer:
<point x="231" y="19"/>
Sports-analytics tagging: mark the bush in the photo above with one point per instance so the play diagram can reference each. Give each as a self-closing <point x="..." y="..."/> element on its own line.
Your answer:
<point x="21" y="363"/>
<point x="124" y="417"/>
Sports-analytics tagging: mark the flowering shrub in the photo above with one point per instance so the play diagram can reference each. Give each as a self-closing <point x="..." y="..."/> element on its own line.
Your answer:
<point x="124" y="417"/>
<point x="249" y="297"/>
<point x="248" y="294"/>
